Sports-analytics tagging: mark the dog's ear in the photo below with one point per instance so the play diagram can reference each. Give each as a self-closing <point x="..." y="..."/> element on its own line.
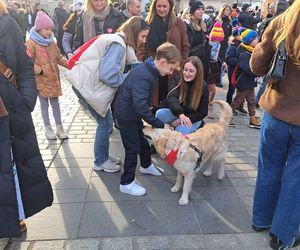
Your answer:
<point x="160" y="145"/>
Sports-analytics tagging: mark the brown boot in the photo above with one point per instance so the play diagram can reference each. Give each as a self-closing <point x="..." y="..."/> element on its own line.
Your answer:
<point x="254" y="122"/>
<point x="22" y="226"/>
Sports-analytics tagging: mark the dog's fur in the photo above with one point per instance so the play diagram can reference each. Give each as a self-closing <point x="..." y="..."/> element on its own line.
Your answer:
<point x="210" y="140"/>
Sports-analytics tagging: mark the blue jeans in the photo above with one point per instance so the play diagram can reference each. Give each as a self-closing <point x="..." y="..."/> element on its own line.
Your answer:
<point x="105" y="124"/>
<point x="166" y="116"/>
<point x="277" y="192"/>
<point x="261" y="90"/>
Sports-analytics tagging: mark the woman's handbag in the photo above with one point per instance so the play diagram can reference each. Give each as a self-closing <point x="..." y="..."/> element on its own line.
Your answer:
<point x="278" y="66"/>
<point x="198" y="51"/>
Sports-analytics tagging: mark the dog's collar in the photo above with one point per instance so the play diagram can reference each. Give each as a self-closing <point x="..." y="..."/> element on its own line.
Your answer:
<point x="172" y="155"/>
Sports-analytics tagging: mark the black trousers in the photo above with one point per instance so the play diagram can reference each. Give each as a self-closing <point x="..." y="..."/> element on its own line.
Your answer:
<point x="135" y="144"/>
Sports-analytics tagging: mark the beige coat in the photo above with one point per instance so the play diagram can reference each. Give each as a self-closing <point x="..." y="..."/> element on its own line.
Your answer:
<point x="46" y="60"/>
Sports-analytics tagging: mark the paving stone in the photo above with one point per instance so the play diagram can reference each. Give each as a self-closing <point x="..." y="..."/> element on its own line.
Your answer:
<point x="60" y="221"/>
<point x="68" y="178"/>
<point x="87" y="244"/>
<point x="3" y="243"/>
<point x="18" y="245"/>
<point x="221" y="241"/>
<point x="117" y="244"/>
<point x="69" y="195"/>
<point x="153" y="242"/>
<point x="216" y="192"/>
<point x="187" y="242"/>
<point x="182" y="219"/>
<point x="73" y="162"/>
<point x="254" y="239"/>
<point x="49" y="245"/>
<point x="226" y="216"/>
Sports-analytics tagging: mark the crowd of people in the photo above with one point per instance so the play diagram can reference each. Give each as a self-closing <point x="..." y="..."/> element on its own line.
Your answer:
<point x="125" y="67"/>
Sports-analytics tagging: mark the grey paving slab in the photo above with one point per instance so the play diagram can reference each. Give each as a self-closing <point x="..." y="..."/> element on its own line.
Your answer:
<point x="18" y="245"/>
<point x="117" y="243"/>
<point x="226" y="216"/>
<point x="216" y="192"/>
<point x="87" y="244"/>
<point x="73" y="162"/>
<point x="69" y="195"/>
<point x="182" y="219"/>
<point x="60" y="221"/>
<point x="154" y="242"/>
<point x="49" y="245"/>
<point x="3" y="243"/>
<point x="222" y="241"/>
<point x="78" y="150"/>
<point x="254" y="239"/>
<point x="187" y="242"/>
<point x="68" y="178"/>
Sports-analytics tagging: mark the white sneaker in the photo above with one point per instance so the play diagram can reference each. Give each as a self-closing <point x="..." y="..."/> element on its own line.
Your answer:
<point x="50" y="133"/>
<point x="133" y="189"/>
<point x="115" y="160"/>
<point x="107" y="166"/>
<point x="150" y="170"/>
<point x="61" y="134"/>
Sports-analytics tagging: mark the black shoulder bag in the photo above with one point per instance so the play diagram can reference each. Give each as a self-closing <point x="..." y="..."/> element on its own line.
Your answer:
<point x="278" y="65"/>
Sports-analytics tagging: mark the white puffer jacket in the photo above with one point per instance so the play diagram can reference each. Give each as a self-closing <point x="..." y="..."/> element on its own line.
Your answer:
<point x="84" y="76"/>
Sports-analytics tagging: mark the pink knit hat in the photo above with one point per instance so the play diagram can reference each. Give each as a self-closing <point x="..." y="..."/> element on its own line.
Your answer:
<point x="43" y="21"/>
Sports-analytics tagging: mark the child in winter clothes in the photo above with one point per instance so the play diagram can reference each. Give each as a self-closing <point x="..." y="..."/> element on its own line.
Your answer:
<point x="231" y="60"/>
<point x="46" y="55"/>
<point x="246" y="79"/>
<point x="216" y="36"/>
<point x="131" y="105"/>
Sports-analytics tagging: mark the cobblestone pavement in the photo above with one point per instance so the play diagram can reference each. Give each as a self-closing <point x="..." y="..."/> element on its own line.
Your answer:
<point x="90" y="213"/>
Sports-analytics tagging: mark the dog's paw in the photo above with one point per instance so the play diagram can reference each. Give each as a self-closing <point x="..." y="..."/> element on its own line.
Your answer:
<point x="183" y="201"/>
<point x="175" y="189"/>
<point x="206" y="173"/>
<point x="221" y="177"/>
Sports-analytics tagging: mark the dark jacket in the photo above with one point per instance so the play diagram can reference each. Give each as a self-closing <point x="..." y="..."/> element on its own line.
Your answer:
<point x="231" y="57"/>
<point x="17" y="131"/>
<point x="60" y="17"/>
<point x="177" y="108"/>
<point x="111" y="23"/>
<point x="227" y="28"/>
<point x="246" y="79"/>
<point x="197" y="38"/>
<point x="133" y="99"/>
<point x="247" y="20"/>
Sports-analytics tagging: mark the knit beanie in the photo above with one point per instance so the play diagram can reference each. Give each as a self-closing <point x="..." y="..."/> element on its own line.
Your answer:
<point x="245" y="6"/>
<point x="235" y="27"/>
<point x="281" y="6"/>
<point x="195" y="5"/>
<point x="43" y="21"/>
<point x="217" y="33"/>
<point x="77" y="5"/>
<point x="248" y="36"/>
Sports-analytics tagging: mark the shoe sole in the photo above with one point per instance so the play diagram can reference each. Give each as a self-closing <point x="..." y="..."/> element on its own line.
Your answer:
<point x="231" y="125"/>
<point x="124" y="192"/>
<point x="150" y="173"/>
<point x="253" y="126"/>
<point x="106" y="170"/>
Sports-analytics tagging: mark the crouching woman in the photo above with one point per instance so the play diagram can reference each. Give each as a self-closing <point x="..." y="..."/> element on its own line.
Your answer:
<point x="187" y="104"/>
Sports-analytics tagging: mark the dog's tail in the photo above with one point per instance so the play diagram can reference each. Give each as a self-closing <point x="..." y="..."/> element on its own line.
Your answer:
<point x="226" y="112"/>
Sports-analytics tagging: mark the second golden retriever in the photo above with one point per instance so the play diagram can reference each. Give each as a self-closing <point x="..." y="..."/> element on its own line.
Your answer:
<point x="189" y="153"/>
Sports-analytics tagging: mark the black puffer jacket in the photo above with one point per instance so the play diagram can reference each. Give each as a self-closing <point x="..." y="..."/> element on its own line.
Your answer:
<point x="17" y="131"/>
<point x="111" y="23"/>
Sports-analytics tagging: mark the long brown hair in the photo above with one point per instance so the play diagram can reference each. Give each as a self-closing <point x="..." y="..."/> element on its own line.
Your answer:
<point x="3" y="9"/>
<point x="131" y="28"/>
<point x="152" y="12"/>
<point x="169" y="52"/>
<point x="290" y="31"/>
<point x="197" y="86"/>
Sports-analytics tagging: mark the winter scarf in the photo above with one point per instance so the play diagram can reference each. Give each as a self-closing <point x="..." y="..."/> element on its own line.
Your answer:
<point x="158" y="32"/>
<point x="36" y="37"/>
<point x="247" y="47"/>
<point x="89" y="23"/>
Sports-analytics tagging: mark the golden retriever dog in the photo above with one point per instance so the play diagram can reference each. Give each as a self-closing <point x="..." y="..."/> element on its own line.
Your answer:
<point x="188" y="154"/>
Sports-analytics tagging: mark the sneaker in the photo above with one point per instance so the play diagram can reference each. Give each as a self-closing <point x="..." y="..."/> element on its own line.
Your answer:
<point x="254" y="122"/>
<point x="115" y="160"/>
<point x="232" y="123"/>
<point x="211" y="114"/>
<point x="150" y="170"/>
<point x="22" y="226"/>
<point x="242" y="111"/>
<point x="61" y="134"/>
<point x="276" y="243"/>
<point x="132" y="189"/>
<point x="50" y="133"/>
<point x="108" y="167"/>
<point x="259" y="229"/>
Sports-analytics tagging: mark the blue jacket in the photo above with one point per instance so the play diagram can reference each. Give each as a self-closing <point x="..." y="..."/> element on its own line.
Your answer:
<point x="231" y="57"/>
<point x="133" y="98"/>
<point x="246" y="79"/>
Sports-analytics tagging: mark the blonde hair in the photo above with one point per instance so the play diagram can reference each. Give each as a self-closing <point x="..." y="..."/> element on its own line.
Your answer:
<point x="197" y="86"/>
<point x="3" y="9"/>
<point x="221" y="11"/>
<point x="152" y="11"/>
<point x="131" y="28"/>
<point x="89" y="9"/>
<point x="289" y="30"/>
<point x="169" y="52"/>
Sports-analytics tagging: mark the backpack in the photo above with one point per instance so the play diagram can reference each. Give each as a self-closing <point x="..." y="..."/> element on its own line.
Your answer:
<point x="77" y="54"/>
